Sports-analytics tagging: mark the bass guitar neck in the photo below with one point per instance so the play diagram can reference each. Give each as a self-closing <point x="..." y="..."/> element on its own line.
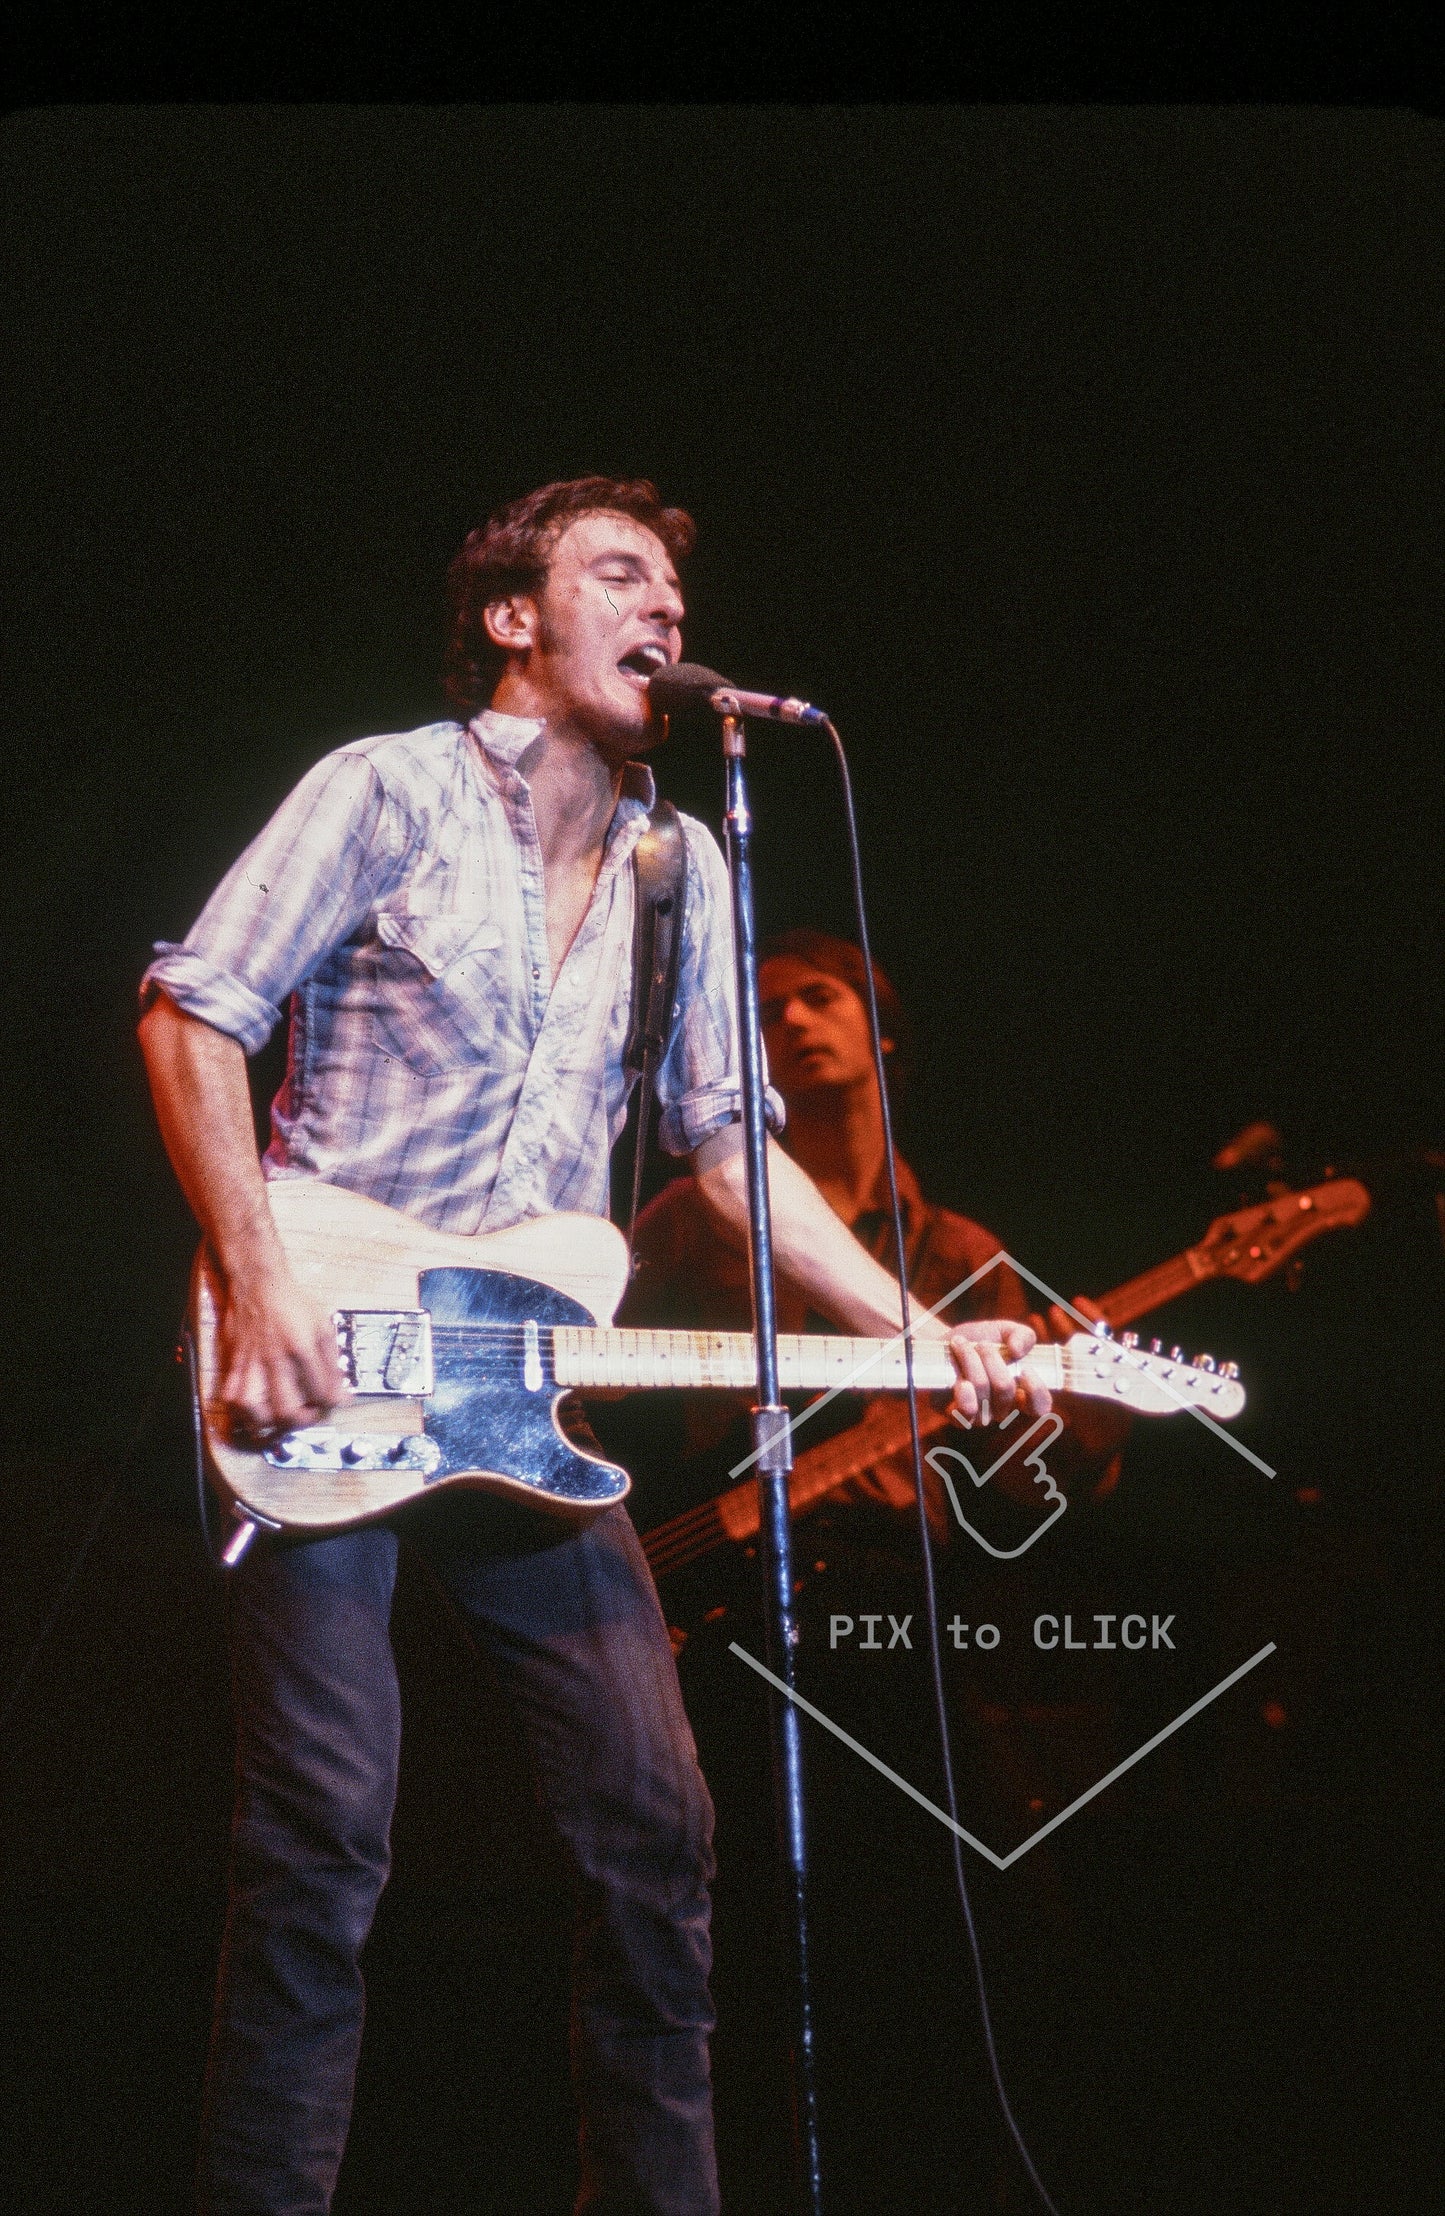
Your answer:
<point x="1251" y="1244"/>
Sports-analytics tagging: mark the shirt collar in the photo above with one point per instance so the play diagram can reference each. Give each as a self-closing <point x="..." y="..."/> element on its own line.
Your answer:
<point x="875" y="1223"/>
<point x="505" y="739"/>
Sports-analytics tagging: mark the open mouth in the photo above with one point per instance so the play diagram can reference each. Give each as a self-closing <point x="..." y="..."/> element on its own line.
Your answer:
<point x="640" y="664"/>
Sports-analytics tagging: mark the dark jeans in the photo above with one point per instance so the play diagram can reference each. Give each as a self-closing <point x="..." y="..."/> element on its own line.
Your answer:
<point x="576" y="1635"/>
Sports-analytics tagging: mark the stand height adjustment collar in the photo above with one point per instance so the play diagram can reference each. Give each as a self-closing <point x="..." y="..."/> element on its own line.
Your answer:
<point x="773" y="1441"/>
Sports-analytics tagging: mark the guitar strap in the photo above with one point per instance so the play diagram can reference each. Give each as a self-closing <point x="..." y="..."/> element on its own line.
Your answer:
<point x="659" y="870"/>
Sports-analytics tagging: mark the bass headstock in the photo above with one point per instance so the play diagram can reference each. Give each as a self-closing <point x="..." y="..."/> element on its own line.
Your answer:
<point x="1252" y="1243"/>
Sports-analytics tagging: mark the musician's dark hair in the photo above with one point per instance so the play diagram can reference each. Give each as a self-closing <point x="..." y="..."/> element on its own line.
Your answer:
<point x="841" y="959"/>
<point x="510" y="554"/>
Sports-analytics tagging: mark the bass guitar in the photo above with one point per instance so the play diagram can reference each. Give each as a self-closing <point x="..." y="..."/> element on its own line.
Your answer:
<point x="1249" y="1245"/>
<point x="459" y="1351"/>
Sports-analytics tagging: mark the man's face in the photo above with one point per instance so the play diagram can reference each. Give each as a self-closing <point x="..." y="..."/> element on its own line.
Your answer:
<point x="607" y="615"/>
<point x="815" y="1028"/>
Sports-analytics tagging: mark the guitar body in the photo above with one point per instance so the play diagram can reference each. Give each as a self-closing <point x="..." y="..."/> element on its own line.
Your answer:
<point x="489" y="1419"/>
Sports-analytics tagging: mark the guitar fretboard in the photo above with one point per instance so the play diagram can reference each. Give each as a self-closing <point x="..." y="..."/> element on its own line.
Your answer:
<point x="811" y="1362"/>
<point x="1165" y="1282"/>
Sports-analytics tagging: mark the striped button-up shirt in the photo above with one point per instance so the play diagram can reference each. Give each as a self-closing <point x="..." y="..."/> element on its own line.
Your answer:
<point x="396" y="899"/>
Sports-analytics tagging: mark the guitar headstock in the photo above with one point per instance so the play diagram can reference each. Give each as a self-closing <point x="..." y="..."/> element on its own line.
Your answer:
<point x="1152" y="1384"/>
<point x="1252" y="1243"/>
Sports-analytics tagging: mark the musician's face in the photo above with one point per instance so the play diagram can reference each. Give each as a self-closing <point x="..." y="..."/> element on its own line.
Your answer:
<point x="583" y="647"/>
<point x="815" y="1028"/>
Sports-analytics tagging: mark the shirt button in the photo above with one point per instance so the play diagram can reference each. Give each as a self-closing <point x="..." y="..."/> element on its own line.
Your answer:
<point x="536" y="972"/>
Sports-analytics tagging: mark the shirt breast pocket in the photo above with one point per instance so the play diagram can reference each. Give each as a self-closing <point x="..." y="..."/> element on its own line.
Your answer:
<point x="440" y="990"/>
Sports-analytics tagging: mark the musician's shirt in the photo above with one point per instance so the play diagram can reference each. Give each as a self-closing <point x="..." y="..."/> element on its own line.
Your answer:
<point x="396" y="900"/>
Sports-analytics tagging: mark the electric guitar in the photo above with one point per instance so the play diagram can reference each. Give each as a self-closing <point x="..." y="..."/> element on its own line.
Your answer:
<point x="1251" y="1245"/>
<point x="459" y="1351"/>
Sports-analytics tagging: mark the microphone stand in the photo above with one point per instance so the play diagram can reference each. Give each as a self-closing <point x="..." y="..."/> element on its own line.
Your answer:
<point x="773" y="1451"/>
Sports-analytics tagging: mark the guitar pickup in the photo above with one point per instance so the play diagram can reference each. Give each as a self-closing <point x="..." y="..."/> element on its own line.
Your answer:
<point x="386" y="1350"/>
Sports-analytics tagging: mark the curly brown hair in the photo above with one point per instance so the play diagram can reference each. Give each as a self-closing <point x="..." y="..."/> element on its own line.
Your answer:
<point x="510" y="554"/>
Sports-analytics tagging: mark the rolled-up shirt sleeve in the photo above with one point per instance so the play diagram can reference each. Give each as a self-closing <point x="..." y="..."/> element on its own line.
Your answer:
<point x="302" y="887"/>
<point x="699" y="1085"/>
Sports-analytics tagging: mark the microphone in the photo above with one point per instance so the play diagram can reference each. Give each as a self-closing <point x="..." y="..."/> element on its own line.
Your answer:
<point x="688" y="685"/>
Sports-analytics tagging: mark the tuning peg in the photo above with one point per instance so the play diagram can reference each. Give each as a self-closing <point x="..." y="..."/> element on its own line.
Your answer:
<point x="1229" y="1369"/>
<point x="1130" y="1339"/>
<point x="1176" y="1354"/>
<point x="1204" y="1361"/>
<point x="350" y="1452"/>
<point x="1156" y="1346"/>
<point x="1102" y="1330"/>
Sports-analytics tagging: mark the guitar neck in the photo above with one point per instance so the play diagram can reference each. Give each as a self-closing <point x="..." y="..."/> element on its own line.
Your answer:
<point x="815" y="1362"/>
<point x="1165" y="1282"/>
<point x="728" y="1361"/>
<point x="736" y="1515"/>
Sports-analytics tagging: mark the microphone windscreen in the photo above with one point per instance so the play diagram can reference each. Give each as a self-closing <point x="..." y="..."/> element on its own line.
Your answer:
<point x="684" y="685"/>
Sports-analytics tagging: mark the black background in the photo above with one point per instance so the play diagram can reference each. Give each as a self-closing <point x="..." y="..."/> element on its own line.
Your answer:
<point x="1087" y="465"/>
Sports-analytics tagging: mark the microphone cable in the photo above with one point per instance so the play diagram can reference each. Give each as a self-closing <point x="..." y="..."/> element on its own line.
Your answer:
<point x="929" y="1586"/>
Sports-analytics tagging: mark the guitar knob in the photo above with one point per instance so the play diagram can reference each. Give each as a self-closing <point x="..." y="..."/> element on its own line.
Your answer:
<point x="1204" y="1362"/>
<point x="1130" y="1339"/>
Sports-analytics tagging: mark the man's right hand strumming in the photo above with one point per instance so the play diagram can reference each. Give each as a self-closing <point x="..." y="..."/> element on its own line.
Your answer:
<point x="279" y="1365"/>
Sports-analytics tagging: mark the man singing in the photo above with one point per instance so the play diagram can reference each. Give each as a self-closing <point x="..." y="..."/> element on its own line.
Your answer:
<point x="449" y="914"/>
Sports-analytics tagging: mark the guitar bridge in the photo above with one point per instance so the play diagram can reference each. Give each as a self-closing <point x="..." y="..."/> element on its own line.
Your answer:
<point x="386" y="1350"/>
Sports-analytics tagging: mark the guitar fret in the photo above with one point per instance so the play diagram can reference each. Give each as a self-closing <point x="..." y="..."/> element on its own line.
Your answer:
<point x="811" y="1362"/>
<point x="583" y="1355"/>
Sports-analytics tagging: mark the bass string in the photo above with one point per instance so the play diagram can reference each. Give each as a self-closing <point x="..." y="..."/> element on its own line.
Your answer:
<point x="683" y="1526"/>
<point x="679" y="1553"/>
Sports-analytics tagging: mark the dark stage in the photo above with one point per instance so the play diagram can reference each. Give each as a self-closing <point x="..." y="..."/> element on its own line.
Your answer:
<point x="1087" y="465"/>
